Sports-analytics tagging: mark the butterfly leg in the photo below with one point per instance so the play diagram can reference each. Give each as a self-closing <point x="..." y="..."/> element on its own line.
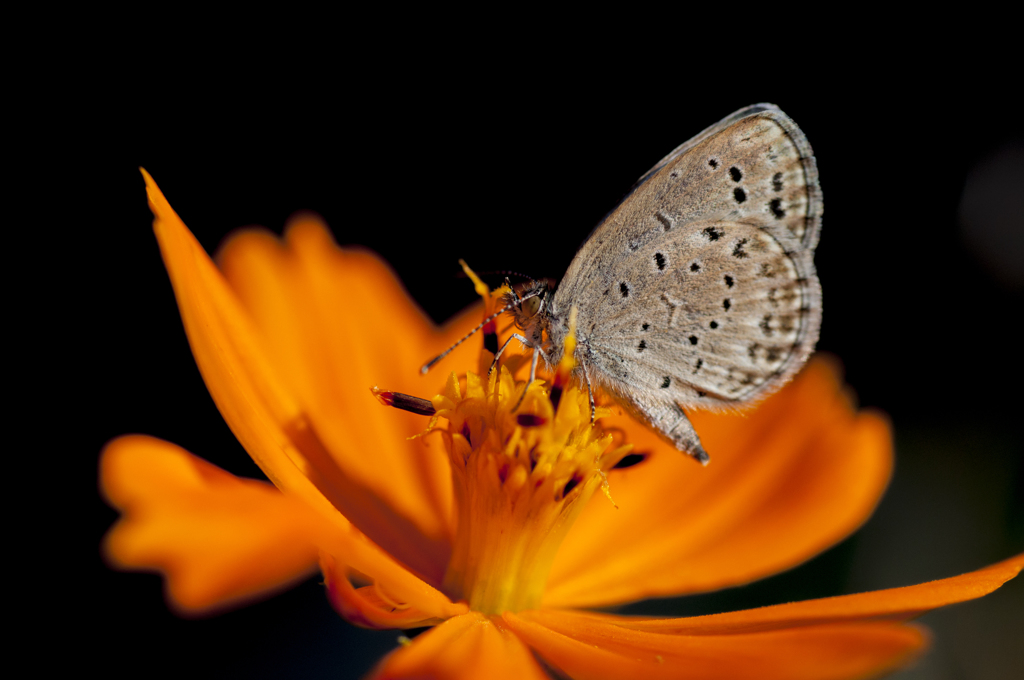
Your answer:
<point x="514" y="336"/>
<point x="533" y="375"/>
<point x="590" y="394"/>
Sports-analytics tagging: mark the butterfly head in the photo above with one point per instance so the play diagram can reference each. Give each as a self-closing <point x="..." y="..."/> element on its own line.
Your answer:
<point x="528" y="306"/>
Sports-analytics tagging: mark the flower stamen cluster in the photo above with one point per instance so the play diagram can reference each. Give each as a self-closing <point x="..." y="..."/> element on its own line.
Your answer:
<point x="520" y="476"/>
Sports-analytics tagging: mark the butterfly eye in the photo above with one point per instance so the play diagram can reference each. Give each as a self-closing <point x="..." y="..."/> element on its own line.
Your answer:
<point x="531" y="307"/>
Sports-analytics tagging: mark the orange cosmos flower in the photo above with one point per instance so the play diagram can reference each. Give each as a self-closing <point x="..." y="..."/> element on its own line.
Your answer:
<point x="491" y="530"/>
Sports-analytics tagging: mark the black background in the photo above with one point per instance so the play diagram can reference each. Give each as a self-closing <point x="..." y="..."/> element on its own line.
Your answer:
<point x="509" y="166"/>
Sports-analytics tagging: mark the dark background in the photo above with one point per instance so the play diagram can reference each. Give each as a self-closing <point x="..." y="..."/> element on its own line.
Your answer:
<point x="509" y="168"/>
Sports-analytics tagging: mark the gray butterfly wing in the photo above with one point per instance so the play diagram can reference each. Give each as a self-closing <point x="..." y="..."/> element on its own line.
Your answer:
<point x="699" y="289"/>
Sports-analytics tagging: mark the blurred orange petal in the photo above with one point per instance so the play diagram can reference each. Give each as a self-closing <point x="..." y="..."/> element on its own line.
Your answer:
<point x="786" y="480"/>
<point x="583" y="646"/>
<point x="336" y="322"/>
<point x="467" y="646"/>
<point x="218" y="538"/>
<point x="268" y="415"/>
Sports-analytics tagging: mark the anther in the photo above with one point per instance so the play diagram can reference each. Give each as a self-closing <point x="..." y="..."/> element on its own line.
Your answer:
<point x="404" y="402"/>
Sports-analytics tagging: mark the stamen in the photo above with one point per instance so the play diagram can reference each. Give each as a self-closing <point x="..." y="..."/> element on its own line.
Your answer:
<point x="520" y="480"/>
<point x="405" y="402"/>
<point x="524" y="464"/>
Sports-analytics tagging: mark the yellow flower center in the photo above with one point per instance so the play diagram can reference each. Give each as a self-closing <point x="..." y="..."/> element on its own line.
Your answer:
<point x="521" y="477"/>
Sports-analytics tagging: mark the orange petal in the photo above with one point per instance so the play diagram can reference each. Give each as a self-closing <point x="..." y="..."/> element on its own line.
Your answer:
<point x="838" y="637"/>
<point x="468" y="646"/>
<point x="894" y="604"/>
<point x="583" y="646"/>
<point x="271" y="419"/>
<point x="336" y="323"/>
<point x="218" y="538"/>
<point x="786" y="481"/>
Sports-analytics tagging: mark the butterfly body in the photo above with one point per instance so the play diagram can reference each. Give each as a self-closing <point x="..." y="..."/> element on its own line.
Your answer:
<point x="699" y="289"/>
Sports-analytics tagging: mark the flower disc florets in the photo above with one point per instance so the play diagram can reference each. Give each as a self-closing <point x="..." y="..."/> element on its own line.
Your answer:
<point x="522" y="470"/>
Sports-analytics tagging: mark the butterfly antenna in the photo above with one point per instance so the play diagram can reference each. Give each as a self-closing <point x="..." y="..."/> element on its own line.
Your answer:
<point x="505" y="273"/>
<point x="427" y="366"/>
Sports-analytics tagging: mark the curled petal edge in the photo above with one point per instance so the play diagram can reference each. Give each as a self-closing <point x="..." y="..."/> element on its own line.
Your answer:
<point x="374" y="607"/>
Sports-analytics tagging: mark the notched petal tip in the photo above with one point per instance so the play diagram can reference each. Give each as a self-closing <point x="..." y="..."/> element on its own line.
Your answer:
<point x="218" y="539"/>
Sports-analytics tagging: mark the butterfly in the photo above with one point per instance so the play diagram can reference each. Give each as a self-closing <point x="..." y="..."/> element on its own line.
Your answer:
<point x="699" y="289"/>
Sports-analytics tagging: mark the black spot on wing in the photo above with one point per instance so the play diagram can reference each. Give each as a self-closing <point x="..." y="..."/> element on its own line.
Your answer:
<point x="713" y="233"/>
